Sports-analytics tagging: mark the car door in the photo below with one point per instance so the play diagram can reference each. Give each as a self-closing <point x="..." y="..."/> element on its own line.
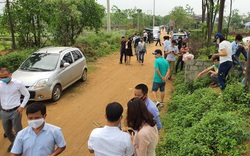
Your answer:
<point x="66" y="74"/>
<point x="78" y="63"/>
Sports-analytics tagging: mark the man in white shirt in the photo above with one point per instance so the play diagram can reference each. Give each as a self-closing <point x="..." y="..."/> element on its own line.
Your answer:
<point x="11" y="113"/>
<point x="111" y="140"/>
<point x="166" y="43"/>
<point x="172" y="52"/>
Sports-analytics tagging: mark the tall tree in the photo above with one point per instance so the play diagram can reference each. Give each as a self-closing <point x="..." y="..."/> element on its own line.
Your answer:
<point x="221" y="16"/>
<point x="212" y="10"/>
<point x="229" y="17"/>
<point x="11" y="25"/>
<point x="181" y="18"/>
<point x="70" y="17"/>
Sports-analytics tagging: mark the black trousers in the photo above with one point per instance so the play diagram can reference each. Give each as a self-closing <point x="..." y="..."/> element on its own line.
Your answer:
<point x="158" y="41"/>
<point x="178" y="62"/>
<point x="123" y="52"/>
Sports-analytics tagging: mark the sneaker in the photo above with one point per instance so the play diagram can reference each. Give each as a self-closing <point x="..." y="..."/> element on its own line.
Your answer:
<point x="161" y="104"/>
<point x="157" y="103"/>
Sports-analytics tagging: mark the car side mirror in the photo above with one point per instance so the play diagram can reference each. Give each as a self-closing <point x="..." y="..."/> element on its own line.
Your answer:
<point x="66" y="64"/>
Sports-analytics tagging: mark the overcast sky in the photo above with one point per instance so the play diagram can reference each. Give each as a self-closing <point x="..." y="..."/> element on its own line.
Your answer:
<point x="163" y="7"/>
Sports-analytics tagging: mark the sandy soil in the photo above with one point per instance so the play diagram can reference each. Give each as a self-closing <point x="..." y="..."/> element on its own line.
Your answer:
<point x="83" y="104"/>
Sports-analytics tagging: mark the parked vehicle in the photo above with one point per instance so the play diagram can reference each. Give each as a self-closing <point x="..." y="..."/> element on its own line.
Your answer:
<point x="156" y="29"/>
<point x="175" y="36"/>
<point x="48" y="71"/>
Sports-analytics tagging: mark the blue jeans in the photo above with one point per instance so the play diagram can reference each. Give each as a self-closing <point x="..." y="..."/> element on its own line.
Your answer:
<point x="223" y="72"/>
<point x="141" y="56"/>
<point x="236" y="61"/>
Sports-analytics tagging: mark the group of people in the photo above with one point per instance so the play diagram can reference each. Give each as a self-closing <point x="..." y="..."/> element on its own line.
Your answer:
<point x="142" y="117"/>
<point x="227" y="57"/>
<point x="172" y="49"/>
<point x="126" y="49"/>
<point x="39" y="138"/>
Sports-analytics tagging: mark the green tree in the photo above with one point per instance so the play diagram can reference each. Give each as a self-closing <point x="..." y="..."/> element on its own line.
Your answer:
<point x="28" y="22"/>
<point x="181" y="17"/>
<point x="70" y="17"/>
<point x="236" y="20"/>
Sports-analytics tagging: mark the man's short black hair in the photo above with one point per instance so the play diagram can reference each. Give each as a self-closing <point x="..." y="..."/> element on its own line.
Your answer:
<point x="173" y="41"/>
<point x="166" y="37"/>
<point x="143" y="88"/>
<point x="238" y="37"/>
<point x="216" y="58"/>
<point x="35" y="107"/>
<point x="114" y="111"/>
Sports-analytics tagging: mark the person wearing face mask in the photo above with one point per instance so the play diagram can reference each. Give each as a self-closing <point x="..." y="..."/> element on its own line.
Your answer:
<point x="12" y="108"/>
<point x="141" y="91"/>
<point x="39" y="138"/>
<point x="225" y="54"/>
<point x="161" y="74"/>
<point x="213" y="71"/>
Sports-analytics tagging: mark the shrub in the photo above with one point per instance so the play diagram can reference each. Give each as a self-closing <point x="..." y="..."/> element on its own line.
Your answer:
<point x="14" y="59"/>
<point x="202" y="122"/>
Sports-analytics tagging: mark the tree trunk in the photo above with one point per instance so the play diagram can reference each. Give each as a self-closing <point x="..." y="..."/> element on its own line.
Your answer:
<point x="221" y="12"/>
<point x="203" y="16"/>
<point x="229" y="18"/>
<point x="248" y="70"/>
<point x="209" y="21"/>
<point x="11" y="26"/>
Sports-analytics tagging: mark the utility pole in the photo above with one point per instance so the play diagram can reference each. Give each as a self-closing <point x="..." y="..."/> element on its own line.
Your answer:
<point x="138" y="19"/>
<point x="154" y="14"/>
<point x="108" y="16"/>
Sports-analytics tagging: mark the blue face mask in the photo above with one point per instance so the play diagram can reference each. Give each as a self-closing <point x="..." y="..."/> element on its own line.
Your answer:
<point x="217" y="65"/>
<point x="5" y="80"/>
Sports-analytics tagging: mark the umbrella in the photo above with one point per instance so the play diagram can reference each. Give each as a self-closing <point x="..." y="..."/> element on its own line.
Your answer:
<point x="148" y="29"/>
<point x="247" y="24"/>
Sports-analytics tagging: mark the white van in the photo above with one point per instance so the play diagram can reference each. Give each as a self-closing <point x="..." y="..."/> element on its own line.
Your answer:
<point x="156" y="29"/>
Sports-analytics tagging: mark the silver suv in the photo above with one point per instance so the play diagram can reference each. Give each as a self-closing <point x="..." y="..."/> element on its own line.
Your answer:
<point x="50" y="70"/>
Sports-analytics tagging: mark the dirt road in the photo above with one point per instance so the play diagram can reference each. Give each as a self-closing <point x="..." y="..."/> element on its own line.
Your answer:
<point x="84" y="103"/>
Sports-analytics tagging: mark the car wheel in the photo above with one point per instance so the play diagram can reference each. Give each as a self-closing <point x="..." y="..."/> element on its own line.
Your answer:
<point x="84" y="75"/>
<point x="56" y="93"/>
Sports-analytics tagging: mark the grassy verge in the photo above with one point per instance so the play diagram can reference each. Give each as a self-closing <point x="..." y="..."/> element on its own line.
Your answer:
<point x="202" y="122"/>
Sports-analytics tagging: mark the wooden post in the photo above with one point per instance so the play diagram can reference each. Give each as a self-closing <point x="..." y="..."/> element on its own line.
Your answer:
<point x="248" y="69"/>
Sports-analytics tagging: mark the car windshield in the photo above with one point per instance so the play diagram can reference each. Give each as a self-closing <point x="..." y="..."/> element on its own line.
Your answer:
<point x="41" y="62"/>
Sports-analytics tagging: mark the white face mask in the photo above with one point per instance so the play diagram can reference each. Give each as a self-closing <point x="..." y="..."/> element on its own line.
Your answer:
<point x="36" y="123"/>
<point x="218" y="41"/>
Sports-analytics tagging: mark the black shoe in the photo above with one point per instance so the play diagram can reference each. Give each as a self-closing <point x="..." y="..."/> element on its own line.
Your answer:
<point x="5" y="135"/>
<point x="10" y="147"/>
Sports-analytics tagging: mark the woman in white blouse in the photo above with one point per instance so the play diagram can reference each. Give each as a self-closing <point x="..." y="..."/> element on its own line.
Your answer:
<point x="142" y="121"/>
